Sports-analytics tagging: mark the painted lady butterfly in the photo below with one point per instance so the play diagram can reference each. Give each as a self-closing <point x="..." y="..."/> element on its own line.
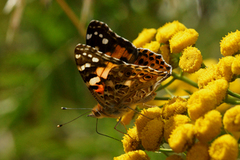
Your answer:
<point x="118" y="74"/>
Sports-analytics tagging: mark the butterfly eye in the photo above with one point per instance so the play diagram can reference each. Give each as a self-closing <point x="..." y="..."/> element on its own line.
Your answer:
<point x="147" y="77"/>
<point x="96" y="113"/>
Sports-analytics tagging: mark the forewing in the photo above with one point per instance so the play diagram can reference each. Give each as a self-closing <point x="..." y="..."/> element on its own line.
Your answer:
<point x="101" y="37"/>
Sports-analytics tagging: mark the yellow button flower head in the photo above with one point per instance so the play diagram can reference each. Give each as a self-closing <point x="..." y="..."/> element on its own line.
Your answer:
<point x="165" y="32"/>
<point x="133" y="155"/>
<point x="182" y="39"/>
<point x="225" y="67"/>
<point x="153" y="46"/>
<point x="219" y="87"/>
<point x="174" y="122"/>
<point x="176" y="105"/>
<point x="224" y="147"/>
<point x="182" y="138"/>
<point x="191" y="60"/>
<point x="152" y="135"/>
<point x="165" y="52"/>
<point x="236" y="65"/>
<point x="209" y="74"/>
<point x="201" y="102"/>
<point x="208" y="126"/>
<point x="174" y="157"/>
<point x="144" y="37"/>
<point x="230" y="44"/>
<point x="198" y="151"/>
<point x="231" y="119"/>
<point x="131" y="140"/>
<point x="149" y="114"/>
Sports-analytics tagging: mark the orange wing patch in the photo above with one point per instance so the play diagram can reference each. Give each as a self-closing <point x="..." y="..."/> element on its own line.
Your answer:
<point x="103" y="71"/>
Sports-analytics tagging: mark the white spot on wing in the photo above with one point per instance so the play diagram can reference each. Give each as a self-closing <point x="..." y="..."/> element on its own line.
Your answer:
<point x="87" y="65"/>
<point x="95" y="33"/>
<point x="104" y="41"/>
<point x="77" y="56"/>
<point x="89" y="55"/>
<point x="94" y="80"/>
<point x="89" y="36"/>
<point x="95" y="59"/>
<point x="84" y="53"/>
<point x="100" y="35"/>
<point x="82" y="68"/>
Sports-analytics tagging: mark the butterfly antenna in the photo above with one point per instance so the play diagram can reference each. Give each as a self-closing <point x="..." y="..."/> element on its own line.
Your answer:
<point x="64" y="108"/>
<point x="104" y="134"/>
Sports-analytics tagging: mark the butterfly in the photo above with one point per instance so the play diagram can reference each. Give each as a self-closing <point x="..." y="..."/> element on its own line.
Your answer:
<point x="118" y="74"/>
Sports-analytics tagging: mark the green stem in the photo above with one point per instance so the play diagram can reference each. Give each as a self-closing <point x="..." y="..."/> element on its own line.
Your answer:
<point x="165" y="85"/>
<point x="165" y="150"/>
<point x="231" y="100"/>
<point x="233" y="94"/>
<point x="185" y="79"/>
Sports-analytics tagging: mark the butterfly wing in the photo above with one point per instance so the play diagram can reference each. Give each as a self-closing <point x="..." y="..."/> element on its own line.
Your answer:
<point x="101" y="37"/>
<point x="114" y="83"/>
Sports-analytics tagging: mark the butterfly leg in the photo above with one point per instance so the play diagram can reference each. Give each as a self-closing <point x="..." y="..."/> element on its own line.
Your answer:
<point x="119" y="121"/>
<point x="148" y="105"/>
<point x="102" y="133"/>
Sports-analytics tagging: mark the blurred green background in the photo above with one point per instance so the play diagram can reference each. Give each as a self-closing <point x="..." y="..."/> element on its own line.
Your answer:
<point x="38" y="75"/>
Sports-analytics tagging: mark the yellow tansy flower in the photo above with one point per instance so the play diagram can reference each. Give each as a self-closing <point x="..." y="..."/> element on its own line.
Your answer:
<point x="208" y="126"/>
<point x="149" y="114"/>
<point x="165" y="52"/>
<point x="201" y="102"/>
<point x="230" y="44"/>
<point x="165" y="32"/>
<point x="144" y="37"/>
<point x="153" y="46"/>
<point x="198" y="151"/>
<point x="231" y="119"/>
<point x="236" y="65"/>
<point x="172" y="123"/>
<point x="176" y="105"/>
<point x="207" y="75"/>
<point x="174" y="157"/>
<point x="219" y="87"/>
<point x="126" y="119"/>
<point x="152" y="135"/>
<point x="131" y="140"/>
<point x="224" y="147"/>
<point x="182" y="138"/>
<point x="133" y="155"/>
<point x="182" y="39"/>
<point x="225" y="67"/>
<point x="191" y="60"/>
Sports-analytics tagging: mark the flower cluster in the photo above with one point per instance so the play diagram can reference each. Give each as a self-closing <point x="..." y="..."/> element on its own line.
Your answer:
<point x="203" y="121"/>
